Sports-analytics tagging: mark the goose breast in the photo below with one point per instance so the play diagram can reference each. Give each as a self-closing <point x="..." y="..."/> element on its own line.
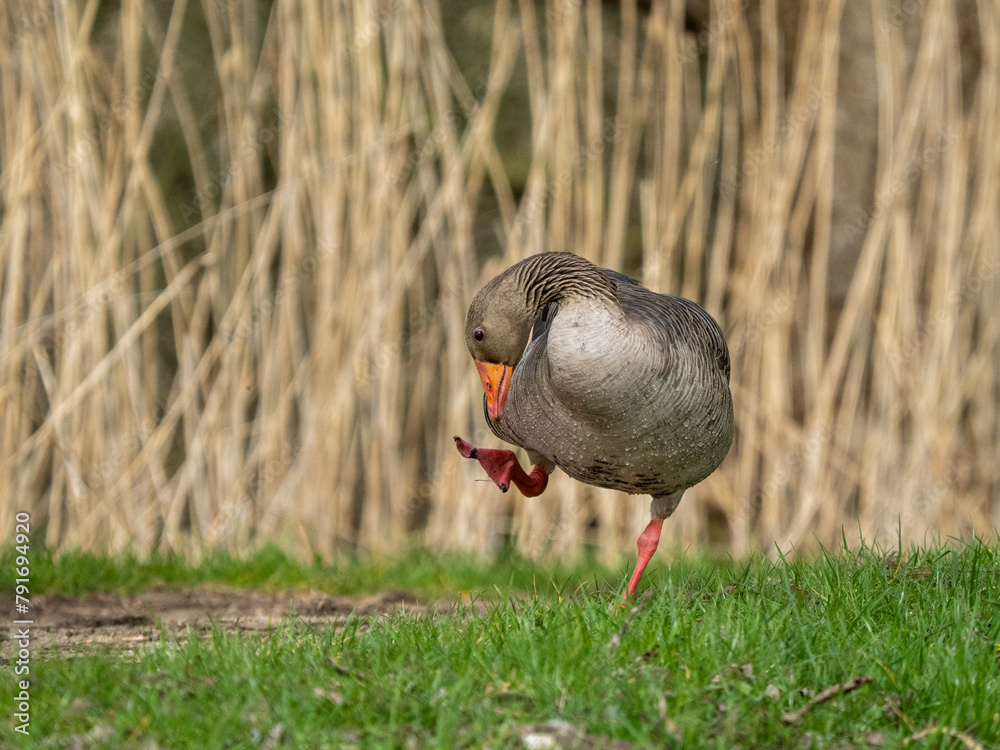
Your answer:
<point x="616" y="402"/>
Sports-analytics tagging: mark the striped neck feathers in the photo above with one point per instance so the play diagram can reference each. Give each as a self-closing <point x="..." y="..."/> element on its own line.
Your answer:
<point x="558" y="277"/>
<point x="503" y="312"/>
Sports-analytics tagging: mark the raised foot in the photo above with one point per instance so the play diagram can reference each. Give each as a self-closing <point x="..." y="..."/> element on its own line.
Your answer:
<point x="503" y="468"/>
<point x="466" y="449"/>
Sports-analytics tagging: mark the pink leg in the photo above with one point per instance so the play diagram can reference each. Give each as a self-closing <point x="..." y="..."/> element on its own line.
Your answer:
<point x="503" y="468"/>
<point x="648" y="540"/>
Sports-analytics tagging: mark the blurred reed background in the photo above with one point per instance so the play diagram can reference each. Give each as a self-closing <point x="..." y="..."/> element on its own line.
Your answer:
<point x="238" y="240"/>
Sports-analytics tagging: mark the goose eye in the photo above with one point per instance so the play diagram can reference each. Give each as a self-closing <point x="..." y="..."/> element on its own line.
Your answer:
<point x="478" y="334"/>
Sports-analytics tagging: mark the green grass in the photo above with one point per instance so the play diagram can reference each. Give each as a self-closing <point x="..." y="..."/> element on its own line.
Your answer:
<point x="717" y="657"/>
<point x="418" y="571"/>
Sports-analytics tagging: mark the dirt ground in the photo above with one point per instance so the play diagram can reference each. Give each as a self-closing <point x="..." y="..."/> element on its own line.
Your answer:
<point x="73" y="625"/>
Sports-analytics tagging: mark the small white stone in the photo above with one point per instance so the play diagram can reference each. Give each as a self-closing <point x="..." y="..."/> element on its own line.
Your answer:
<point x="535" y="741"/>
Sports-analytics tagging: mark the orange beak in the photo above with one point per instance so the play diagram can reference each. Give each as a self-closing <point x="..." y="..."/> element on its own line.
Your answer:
<point x="496" y="382"/>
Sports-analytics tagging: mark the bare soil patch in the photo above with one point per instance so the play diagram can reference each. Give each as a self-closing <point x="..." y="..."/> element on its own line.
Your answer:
<point x="72" y="625"/>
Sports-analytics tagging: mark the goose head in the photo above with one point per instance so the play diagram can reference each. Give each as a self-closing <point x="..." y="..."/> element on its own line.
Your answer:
<point x="503" y="313"/>
<point x="497" y="329"/>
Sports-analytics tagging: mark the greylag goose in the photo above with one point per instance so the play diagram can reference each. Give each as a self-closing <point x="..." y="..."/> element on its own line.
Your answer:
<point x="618" y="386"/>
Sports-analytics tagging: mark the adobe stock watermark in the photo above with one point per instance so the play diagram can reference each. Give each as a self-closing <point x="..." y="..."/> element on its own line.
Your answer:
<point x="222" y="7"/>
<point x="930" y="496"/>
<point x="469" y="102"/>
<point x="987" y="271"/>
<point x="719" y="27"/>
<point x="204" y="199"/>
<point x="450" y="467"/>
<point x="899" y="13"/>
<point x="289" y="284"/>
<point x="372" y="28"/>
<point x="22" y="623"/>
<point x="787" y="467"/>
<point x="885" y="198"/>
<point x="558" y="11"/>
<point x="113" y="464"/>
<point x="87" y="146"/>
<point x="81" y="316"/>
<point x="410" y="342"/>
<point x="428" y="148"/>
<point x="454" y="470"/>
<point x="611" y="129"/>
<point x="36" y="20"/>
<point x="793" y="122"/>
<point x="755" y="326"/>
<point x="273" y="469"/>
<point x="249" y="507"/>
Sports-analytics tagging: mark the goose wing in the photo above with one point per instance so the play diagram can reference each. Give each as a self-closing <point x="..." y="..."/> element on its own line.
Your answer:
<point x="672" y="321"/>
